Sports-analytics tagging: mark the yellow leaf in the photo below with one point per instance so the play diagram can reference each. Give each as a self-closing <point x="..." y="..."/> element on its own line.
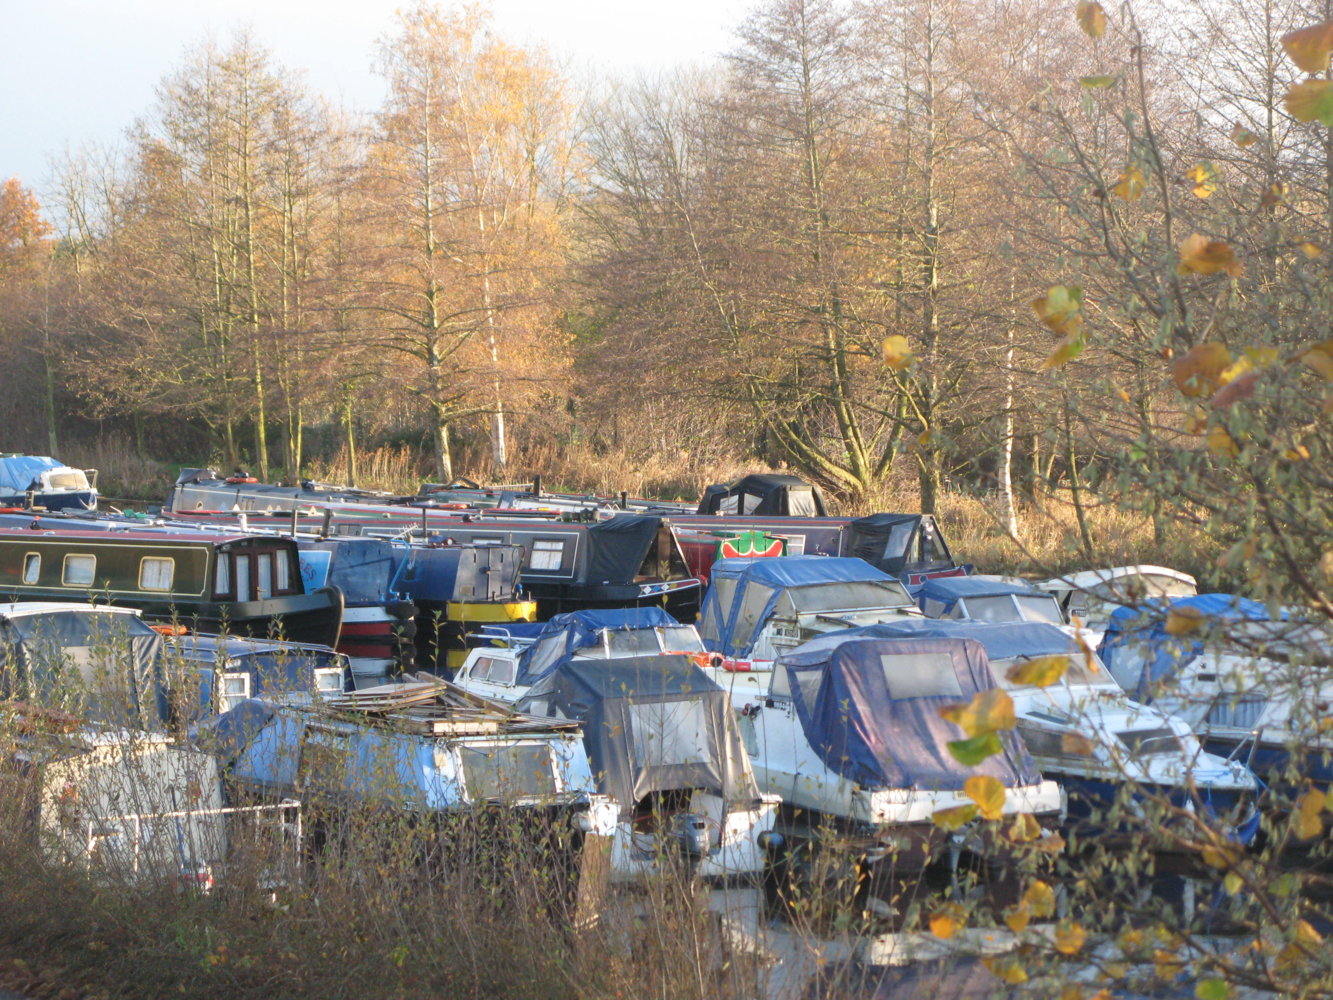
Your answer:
<point x="1200" y="255"/>
<point x="1310" y="100"/>
<point x="1017" y="918"/>
<point x="1311" y="249"/>
<point x="1220" y="856"/>
<point x="1298" y="453"/>
<point x="1168" y="964"/>
<point x="1221" y="444"/>
<point x="1308" y="820"/>
<point x="1061" y="309"/>
<point x="1040" y="671"/>
<point x="955" y="818"/>
<point x="1320" y="358"/>
<point x="1309" y="47"/>
<point x="1198" y="372"/>
<point x="1006" y="968"/>
<point x="1197" y="420"/>
<point x="898" y="354"/>
<point x="1100" y="82"/>
<point x="1274" y="196"/>
<point x="1262" y="357"/>
<point x="1306" y="934"/>
<point x="1069" y="937"/>
<point x="1069" y="348"/>
<point x="987" y="712"/>
<point x="1183" y="621"/>
<point x="1039" y="898"/>
<point x="1232" y="883"/>
<point x="947" y="920"/>
<point x="1130" y="184"/>
<point x="1204" y="176"/>
<point x="987" y="793"/>
<point x="1091" y="18"/>
<point x="1242" y="136"/>
<point x="1025" y="828"/>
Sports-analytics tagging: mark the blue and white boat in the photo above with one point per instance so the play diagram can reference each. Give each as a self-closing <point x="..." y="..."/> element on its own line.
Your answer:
<point x="1254" y="686"/>
<point x="37" y="481"/>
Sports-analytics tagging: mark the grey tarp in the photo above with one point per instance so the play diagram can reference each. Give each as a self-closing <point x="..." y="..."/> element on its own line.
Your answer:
<point x="650" y="724"/>
<point x="617" y="548"/>
<point x="104" y="666"/>
<point x="898" y="544"/>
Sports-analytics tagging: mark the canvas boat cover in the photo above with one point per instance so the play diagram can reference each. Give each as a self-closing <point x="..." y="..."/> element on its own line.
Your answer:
<point x="899" y="544"/>
<point x="227" y="734"/>
<point x="557" y="640"/>
<point x="650" y="724"/>
<point x="870" y="708"/>
<point x="102" y="666"/>
<point x="1002" y="640"/>
<point x="744" y="593"/>
<point x="950" y="589"/>
<point x="18" y="473"/>
<point x="1140" y="631"/>
<point x="763" y="494"/>
<point x="617" y="548"/>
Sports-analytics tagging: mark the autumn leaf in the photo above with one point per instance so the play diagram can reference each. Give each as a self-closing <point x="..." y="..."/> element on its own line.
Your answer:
<point x="987" y="712"/>
<point x="1220" y="856"/>
<point x="1309" y="48"/>
<point x="1024" y="828"/>
<point x="1091" y="18"/>
<point x="1069" y="937"/>
<point x="1311" y="249"/>
<point x="1067" y="350"/>
<point x="1204" y="176"/>
<point x="1235" y="390"/>
<point x="1232" y="883"/>
<point x="1130" y="184"/>
<point x="1097" y="82"/>
<point x="1297" y="453"/>
<point x="1061" y="309"/>
<point x="1311" y="100"/>
<point x="898" y="354"/>
<point x="987" y="793"/>
<point x="1221" y="444"/>
<point x="1200" y="255"/>
<point x="1242" y="136"/>
<point x="1320" y="358"/>
<point x="1274" y="195"/>
<point x="1262" y="357"/>
<point x="1198" y="372"/>
<point x="955" y="818"/>
<point x="947" y="920"/>
<point x="1017" y="918"/>
<point x="1006" y="968"/>
<point x="972" y="752"/>
<point x="1196" y="422"/>
<point x="1212" y="989"/>
<point x="1040" y="671"/>
<point x="1039" y="898"/>
<point x="1183" y="620"/>
<point x="1307" y="821"/>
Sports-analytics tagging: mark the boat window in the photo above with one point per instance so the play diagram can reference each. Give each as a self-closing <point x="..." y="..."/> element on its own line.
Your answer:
<point x="900" y="537"/>
<point x="1038" y="608"/>
<point x="232" y="690"/>
<point x="1151" y="742"/>
<point x="32" y="567"/>
<point x="78" y="571"/>
<point x="630" y="642"/>
<point x="282" y="571"/>
<point x="494" y="669"/>
<point x="264" y="561"/>
<point x="753" y="602"/>
<point x="997" y="608"/>
<point x="680" y="639"/>
<point x="524" y="770"/>
<point x="547" y="553"/>
<point x="67" y="479"/>
<point x="329" y="680"/>
<point x="156" y="573"/>
<point x="670" y="732"/>
<point x="850" y="596"/>
<point x="545" y="653"/>
<point x="724" y="588"/>
<point x="1055" y="743"/>
<point x="750" y="503"/>
<point x="243" y="592"/>
<point x="920" y="675"/>
<point x="222" y="575"/>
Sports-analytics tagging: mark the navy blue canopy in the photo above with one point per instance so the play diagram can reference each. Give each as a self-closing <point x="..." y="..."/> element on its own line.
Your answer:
<point x="1139" y="631"/>
<point x="563" y="635"/>
<point x="947" y="589"/>
<point x="1002" y="640"/>
<point x="870" y="708"/>
<point x="743" y="593"/>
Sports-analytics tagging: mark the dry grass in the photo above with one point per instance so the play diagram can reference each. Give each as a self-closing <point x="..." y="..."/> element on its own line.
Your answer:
<point x="122" y="473"/>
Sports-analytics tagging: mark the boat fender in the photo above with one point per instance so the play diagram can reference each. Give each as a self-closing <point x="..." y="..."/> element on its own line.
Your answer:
<point x="241" y="479"/>
<point x="750" y="709"/>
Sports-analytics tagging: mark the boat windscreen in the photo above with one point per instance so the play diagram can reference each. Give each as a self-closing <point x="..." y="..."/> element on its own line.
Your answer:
<point x="848" y="596"/>
<point x="1079" y="671"/>
<point x="625" y="642"/>
<point x="516" y="771"/>
<point x="680" y="639"/>
<point x="1039" y="608"/>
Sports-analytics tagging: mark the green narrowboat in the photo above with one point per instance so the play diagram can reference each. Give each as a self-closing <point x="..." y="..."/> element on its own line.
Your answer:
<point x="210" y="582"/>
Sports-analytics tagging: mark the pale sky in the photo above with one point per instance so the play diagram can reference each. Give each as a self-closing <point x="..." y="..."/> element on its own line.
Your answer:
<point x="80" y="71"/>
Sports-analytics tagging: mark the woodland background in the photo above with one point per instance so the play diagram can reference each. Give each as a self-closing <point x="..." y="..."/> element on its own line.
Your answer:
<point x="915" y="250"/>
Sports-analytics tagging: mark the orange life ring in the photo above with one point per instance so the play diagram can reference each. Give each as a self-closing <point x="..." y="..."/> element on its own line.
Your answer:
<point x="241" y="479"/>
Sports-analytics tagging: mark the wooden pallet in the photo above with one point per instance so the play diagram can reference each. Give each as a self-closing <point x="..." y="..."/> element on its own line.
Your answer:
<point x="432" y="706"/>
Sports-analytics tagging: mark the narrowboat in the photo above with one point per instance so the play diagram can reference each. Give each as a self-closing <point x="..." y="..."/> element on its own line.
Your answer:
<point x="213" y="582"/>
<point x="38" y="481"/>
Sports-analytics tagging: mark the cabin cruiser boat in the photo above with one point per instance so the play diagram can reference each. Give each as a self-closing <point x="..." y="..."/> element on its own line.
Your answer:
<point x="1092" y="595"/>
<point x="38" y="481"/>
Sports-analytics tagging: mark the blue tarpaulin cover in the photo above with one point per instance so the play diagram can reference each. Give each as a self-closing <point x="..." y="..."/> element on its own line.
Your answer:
<point x="18" y="472"/>
<point x="1141" y="631"/>
<point x="844" y="698"/>
<point x="723" y="626"/>
<point x="948" y="589"/>
<point x="577" y="630"/>
<point x="1002" y="640"/>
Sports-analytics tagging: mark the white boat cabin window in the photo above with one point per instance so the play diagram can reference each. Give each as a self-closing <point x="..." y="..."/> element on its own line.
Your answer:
<point x="32" y="567"/>
<point x="264" y="576"/>
<point x="243" y="592"/>
<point x="282" y="571"/>
<point x="494" y="669"/>
<point x="156" y="573"/>
<point x="680" y="639"/>
<point x="329" y="680"/>
<point x="920" y="675"/>
<point x="547" y="553"/>
<point x="222" y="575"/>
<point x="232" y="690"/>
<point x="79" y="570"/>
<point x="67" y="479"/>
<point x="517" y="771"/>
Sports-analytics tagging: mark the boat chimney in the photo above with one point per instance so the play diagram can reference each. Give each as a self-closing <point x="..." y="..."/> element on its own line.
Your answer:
<point x="328" y="521"/>
<point x="624" y="500"/>
<point x="537" y="484"/>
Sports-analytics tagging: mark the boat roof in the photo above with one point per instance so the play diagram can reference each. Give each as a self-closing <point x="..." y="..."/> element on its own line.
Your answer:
<point x="18" y="471"/>
<point x="800" y="571"/>
<point x="185" y="534"/>
<point x="1091" y="577"/>
<point x="24" y="609"/>
<point x="948" y="589"/>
